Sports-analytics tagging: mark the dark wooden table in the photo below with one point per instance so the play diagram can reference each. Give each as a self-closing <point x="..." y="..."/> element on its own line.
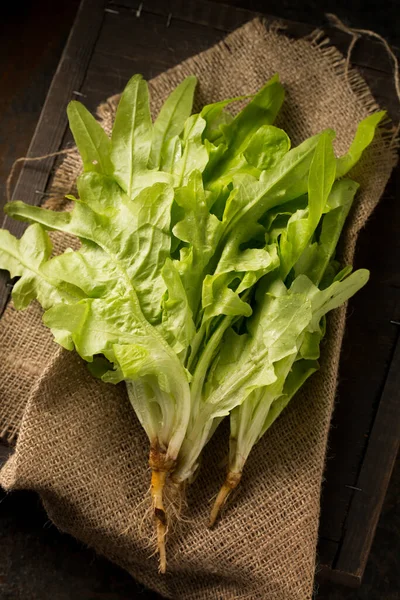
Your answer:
<point x="360" y="455"/>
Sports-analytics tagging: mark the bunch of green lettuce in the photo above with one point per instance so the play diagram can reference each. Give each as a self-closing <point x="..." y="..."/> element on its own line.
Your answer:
<point x="205" y="269"/>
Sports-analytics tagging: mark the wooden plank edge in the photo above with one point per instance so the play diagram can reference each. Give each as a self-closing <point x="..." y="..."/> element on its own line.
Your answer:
<point x="366" y="505"/>
<point x="49" y="133"/>
<point x="326" y="574"/>
<point x="219" y="16"/>
<point x="224" y="17"/>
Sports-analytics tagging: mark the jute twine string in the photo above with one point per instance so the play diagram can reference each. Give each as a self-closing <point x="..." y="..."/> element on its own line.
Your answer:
<point x="25" y="159"/>
<point x="356" y="34"/>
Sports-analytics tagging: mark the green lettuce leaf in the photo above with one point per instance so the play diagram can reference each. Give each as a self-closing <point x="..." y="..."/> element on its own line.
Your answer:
<point x="170" y="123"/>
<point x="200" y="231"/>
<point x="286" y="181"/>
<point x="177" y="318"/>
<point x="133" y="235"/>
<point x="243" y="366"/>
<point x="303" y="223"/>
<point x="316" y="258"/>
<point x="206" y="264"/>
<point x="364" y="135"/>
<point x="267" y="147"/>
<point x="238" y="133"/>
<point x="194" y="154"/>
<point x="92" y="141"/>
<point x="294" y="359"/>
<point x="24" y="258"/>
<point x="131" y="136"/>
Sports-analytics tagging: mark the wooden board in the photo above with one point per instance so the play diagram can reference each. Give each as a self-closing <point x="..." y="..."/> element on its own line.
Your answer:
<point x="112" y="40"/>
<point x="53" y="120"/>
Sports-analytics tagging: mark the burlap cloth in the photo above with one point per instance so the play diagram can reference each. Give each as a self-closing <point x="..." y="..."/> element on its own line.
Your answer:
<point x="79" y="443"/>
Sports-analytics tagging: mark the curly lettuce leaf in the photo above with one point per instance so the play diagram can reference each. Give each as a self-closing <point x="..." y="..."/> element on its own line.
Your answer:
<point x="25" y="258"/>
<point x="194" y="154"/>
<point x="200" y="231"/>
<point x="177" y="317"/>
<point x="236" y="272"/>
<point x="133" y="235"/>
